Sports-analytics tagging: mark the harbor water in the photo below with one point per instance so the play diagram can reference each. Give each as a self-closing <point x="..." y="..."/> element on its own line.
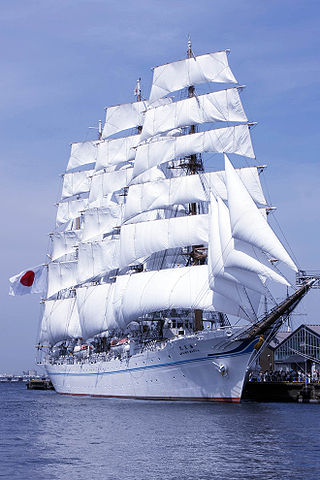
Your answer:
<point x="47" y="436"/>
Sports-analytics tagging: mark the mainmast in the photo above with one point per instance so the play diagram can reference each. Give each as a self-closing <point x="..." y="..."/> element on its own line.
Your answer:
<point x="194" y="165"/>
<point x="99" y="130"/>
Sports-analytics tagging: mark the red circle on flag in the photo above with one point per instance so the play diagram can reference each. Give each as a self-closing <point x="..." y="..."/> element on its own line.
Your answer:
<point x="27" y="279"/>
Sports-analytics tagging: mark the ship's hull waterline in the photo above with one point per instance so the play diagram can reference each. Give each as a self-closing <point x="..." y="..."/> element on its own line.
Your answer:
<point x="185" y="369"/>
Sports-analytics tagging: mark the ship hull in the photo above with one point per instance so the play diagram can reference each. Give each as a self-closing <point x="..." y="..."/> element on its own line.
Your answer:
<point x="185" y="369"/>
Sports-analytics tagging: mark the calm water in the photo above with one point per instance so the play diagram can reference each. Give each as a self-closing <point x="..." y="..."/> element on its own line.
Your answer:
<point x="47" y="436"/>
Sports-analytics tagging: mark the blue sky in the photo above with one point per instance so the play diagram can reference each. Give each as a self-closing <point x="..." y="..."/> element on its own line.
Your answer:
<point x="63" y="61"/>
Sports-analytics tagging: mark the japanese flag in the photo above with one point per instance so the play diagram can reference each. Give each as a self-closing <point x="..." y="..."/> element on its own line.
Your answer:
<point x="29" y="281"/>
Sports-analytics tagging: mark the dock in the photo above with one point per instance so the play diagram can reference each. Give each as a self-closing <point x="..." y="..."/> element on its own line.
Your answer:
<point x="282" y="392"/>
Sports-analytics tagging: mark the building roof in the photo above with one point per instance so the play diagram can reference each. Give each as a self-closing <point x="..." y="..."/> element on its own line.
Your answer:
<point x="315" y="328"/>
<point x="281" y="337"/>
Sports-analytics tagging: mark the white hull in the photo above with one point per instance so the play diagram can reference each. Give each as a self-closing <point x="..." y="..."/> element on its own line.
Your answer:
<point x="187" y="368"/>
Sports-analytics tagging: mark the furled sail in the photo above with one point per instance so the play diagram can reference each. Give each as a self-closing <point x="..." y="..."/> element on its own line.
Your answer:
<point x="212" y="67"/>
<point x="60" y="321"/>
<point x="144" y="238"/>
<point x="82" y="153"/>
<point x="187" y="189"/>
<point x="222" y="140"/>
<point x="247" y="224"/>
<point x="221" y="106"/>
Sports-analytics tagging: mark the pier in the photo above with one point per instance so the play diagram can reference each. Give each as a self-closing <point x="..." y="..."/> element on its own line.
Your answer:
<point x="282" y="392"/>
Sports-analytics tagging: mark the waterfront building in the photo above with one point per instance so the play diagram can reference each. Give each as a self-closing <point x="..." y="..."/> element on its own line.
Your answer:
<point x="297" y="350"/>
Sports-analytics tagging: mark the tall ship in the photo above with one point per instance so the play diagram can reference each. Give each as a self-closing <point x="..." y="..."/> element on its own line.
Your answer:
<point x="162" y="266"/>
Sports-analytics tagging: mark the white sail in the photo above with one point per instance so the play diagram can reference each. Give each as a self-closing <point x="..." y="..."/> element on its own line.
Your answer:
<point x="163" y="193"/>
<point x="105" y="183"/>
<point x="230" y="282"/>
<point x="234" y="261"/>
<point x="187" y="189"/>
<point x="127" y="115"/>
<point x="221" y="106"/>
<point x="98" y="221"/>
<point x="152" y="175"/>
<point x="92" y="307"/>
<point x="110" y="306"/>
<point x="142" y="239"/>
<point x="235" y="254"/>
<point x="116" y="151"/>
<point x="64" y="242"/>
<point x="61" y="275"/>
<point x="222" y="140"/>
<point x="123" y="117"/>
<point x="212" y="67"/>
<point x="60" y="321"/>
<point x="76" y="183"/>
<point x="247" y="223"/>
<point x="158" y="214"/>
<point x="97" y="258"/>
<point x="82" y="153"/>
<point x="70" y="209"/>
<point x="185" y="287"/>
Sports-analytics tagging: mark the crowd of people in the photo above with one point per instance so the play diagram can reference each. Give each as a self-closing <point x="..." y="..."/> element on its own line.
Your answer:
<point x="285" y="376"/>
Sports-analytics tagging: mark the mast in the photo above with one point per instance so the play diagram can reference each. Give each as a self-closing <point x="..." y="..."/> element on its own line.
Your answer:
<point x="99" y="130"/>
<point x="194" y="166"/>
<point x="137" y="93"/>
<point x="77" y="220"/>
